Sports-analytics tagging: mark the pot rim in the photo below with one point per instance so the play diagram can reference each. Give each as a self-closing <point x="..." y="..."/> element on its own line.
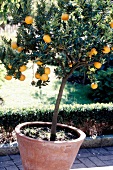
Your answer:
<point x="81" y="134"/>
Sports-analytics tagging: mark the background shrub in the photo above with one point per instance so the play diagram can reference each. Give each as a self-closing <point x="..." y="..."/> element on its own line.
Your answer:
<point x="104" y="92"/>
<point x="96" y="116"/>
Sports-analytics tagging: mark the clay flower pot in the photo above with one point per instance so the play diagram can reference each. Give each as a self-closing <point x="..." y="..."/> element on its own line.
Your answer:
<point x="48" y="155"/>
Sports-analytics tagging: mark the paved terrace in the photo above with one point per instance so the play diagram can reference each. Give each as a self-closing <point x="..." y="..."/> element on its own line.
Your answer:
<point x="91" y="159"/>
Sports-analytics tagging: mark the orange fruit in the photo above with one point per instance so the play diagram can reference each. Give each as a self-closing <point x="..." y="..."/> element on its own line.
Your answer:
<point x="22" y="77"/>
<point x="39" y="63"/>
<point x="93" y="51"/>
<point x="47" y="38"/>
<point x="111" y="24"/>
<point x="97" y="65"/>
<point x="89" y="54"/>
<point x="19" y="49"/>
<point x="22" y="68"/>
<point x="111" y="48"/>
<point x="70" y="64"/>
<point x="44" y="77"/>
<point x="65" y="17"/>
<point x="106" y="49"/>
<point x="94" y="85"/>
<point x="28" y="20"/>
<point x="37" y="75"/>
<point x="9" y="66"/>
<point x="8" y="77"/>
<point x="14" y="45"/>
<point x="47" y="70"/>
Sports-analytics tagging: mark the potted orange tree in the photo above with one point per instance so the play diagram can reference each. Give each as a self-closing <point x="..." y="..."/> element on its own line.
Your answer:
<point x="70" y="35"/>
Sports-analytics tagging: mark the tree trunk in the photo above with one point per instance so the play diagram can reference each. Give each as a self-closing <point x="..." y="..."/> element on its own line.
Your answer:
<point x="55" y="114"/>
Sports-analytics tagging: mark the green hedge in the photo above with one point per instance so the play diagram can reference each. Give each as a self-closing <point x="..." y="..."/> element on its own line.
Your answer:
<point x="78" y="114"/>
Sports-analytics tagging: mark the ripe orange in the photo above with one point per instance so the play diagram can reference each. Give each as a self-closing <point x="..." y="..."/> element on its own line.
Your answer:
<point x="44" y="77"/>
<point x="14" y="45"/>
<point x="19" y="49"/>
<point x="37" y="75"/>
<point x="94" y="85"/>
<point x="93" y="51"/>
<point x="47" y="70"/>
<point x="22" y="68"/>
<point x="39" y="63"/>
<point x="111" y="48"/>
<point x="97" y="65"/>
<point x="70" y="64"/>
<point x="8" y="77"/>
<point x="47" y="38"/>
<point x="28" y="20"/>
<point x="89" y="54"/>
<point x="106" y="49"/>
<point x="9" y="66"/>
<point x="65" y="17"/>
<point x="111" y="24"/>
<point x="22" y="77"/>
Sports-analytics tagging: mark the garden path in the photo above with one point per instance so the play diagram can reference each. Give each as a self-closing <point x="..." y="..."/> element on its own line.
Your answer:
<point x="91" y="158"/>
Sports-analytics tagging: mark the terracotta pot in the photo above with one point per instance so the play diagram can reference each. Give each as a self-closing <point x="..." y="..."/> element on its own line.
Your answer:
<point x="48" y="155"/>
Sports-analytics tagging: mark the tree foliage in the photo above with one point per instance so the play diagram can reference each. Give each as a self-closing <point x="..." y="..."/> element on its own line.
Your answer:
<point x="8" y="8"/>
<point x="87" y="28"/>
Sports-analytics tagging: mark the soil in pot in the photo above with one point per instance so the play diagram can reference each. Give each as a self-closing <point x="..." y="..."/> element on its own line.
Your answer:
<point x="43" y="133"/>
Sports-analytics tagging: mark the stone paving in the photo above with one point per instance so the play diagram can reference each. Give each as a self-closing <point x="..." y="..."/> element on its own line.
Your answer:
<point x="91" y="158"/>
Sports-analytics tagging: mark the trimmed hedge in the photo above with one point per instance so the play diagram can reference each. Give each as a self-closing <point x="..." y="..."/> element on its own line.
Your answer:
<point x="76" y="114"/>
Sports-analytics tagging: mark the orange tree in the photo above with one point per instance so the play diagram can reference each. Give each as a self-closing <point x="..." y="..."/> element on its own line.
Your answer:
<point x="71" y="34"/>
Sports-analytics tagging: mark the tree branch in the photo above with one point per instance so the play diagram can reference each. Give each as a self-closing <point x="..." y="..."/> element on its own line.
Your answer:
<point x="75" y="67"/>
<point x="59" y="62"/>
